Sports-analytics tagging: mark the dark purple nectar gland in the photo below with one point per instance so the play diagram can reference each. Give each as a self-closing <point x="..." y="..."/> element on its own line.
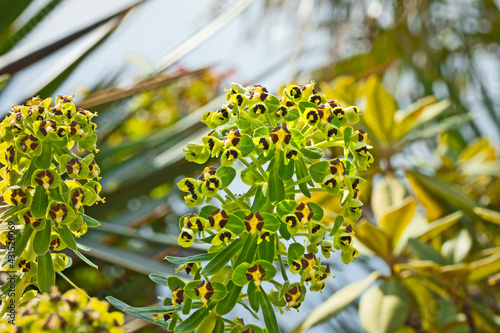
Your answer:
<point x="322" y="276"/>
<point x="75" y="128"/>
<point x="292" y="220"/>
<point x="346" y="240"/>
<point x="362" y="151"/>
<point x="263" y="144"/>
<point x="14" y="121"/>
<point x="281" y="112"/>
<point x="205" y="291"/>
<point x="296" y="92"/>
<point x="198" y="225"/>
<point x="292" y="154"/>
<point x="186" y="236"/>
<point x="19" y="196"/>
<point x="29" y="219"/>
<point x="316" y="99"/>
<point x="362" y="136"/>
<point x="77" y="198"/>
<point x="332" y="132"/>
<point x="292" y="297"/>
<point x="48" y="126"/>
<point x="55" y="243"/>
<point x="93" y="168"/>
<point x="233" y="137"/>
<point x="58" y="212"/>
<point x="254" y="223"/>
<point x="218" y="219"/>
<point x="259" y="109"/>
<point x="207" y="172"/>
<point x="36" y="111"/>
<point x="331" y="183"/>
<point x="45" y="179"/>
<point x="255" y="273"/>
<point x="231" y="154"/>
<point x="309" y="261"/>
<point x="177" y="295"/>
<point x="337" y="167"/>
<point x="303" y="212"/>
<point x="225" y="236"/>
<point x="29" y="141"/>
<point x="280" y="135"/>
<point x="24" y="265"/>
<point x="10" y="154"/>
<point x="73" y="166"/>
<point x="212" y="183"/>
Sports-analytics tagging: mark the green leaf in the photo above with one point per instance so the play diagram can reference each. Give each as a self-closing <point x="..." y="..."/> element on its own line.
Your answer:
<point x="174" y="282"/>
<point x="347" y="136"/>
<point x="318" y="212"/>
<point x="319" y="171"/>
<point x="87" y="261"/>
<point x="40" y="203"/>
<point x="41" y="241"/>
<point x="227" y="303"/>
<point x="45" y="159"/>
<point x="46" y="273"/>
<point x="22" y="239"/>
<point x="456" y="249"/>
<point x="253" y="297"/>
<point x="285" y="171"/>
<point x="384" y="308"/>
<point x="336" y="303"/>
<point x="295" y="251"/>
<point x="226" y="175"/>
<point x="159" y="279"/>
<point x="246" y="145"/>
<point x="268" y="313"/>
<point x="488" y="214"/>
<point x="312" y="153"/>
<point x="339" y="220"/>
<point x="123" y="306"/>
<point x="276" y="187"/>
<point x="222" y="258"/>
<point x="187" y="260"/>
<point x="424" y="251"/>
<point x="260" y="198"/>
<point x="91" y="222"/>
<point x="303" y="172"/>
<point x="286" y="207"/>
<point x="67" y="237"/>
<point x="266" y="249"/>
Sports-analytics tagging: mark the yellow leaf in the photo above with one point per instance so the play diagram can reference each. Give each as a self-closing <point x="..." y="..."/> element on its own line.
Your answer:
<point x="387" y="193"/>
<point x="406" y="119"/>
<point x="395" y="221"/>
<point x="342" y="89"/>
<point x="488" y="214"/>
<point x="483" y="268"/>
<point x="433" y="208"/>
<point x="373" y="238"/>
<point x="435" y="228"/>
<point x="379" y="110"/>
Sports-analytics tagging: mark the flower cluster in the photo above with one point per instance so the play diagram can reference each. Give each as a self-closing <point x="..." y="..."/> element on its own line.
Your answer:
<point x="279" y="142"/>
<point x="46" y="185"/>
<point x="68" y="312"/>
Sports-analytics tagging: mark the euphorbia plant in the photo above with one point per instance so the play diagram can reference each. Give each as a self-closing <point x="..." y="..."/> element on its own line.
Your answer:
<point x="45" y="186"/>
<point x="278" y="143"/>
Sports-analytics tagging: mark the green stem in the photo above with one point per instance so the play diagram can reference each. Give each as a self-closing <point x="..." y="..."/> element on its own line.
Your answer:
<point x="332" y="143"/>
<point x="282" y="267"/>
<point x="244" y="162"/>
<point x="315" y="189"/>
<point x="257" y="163"/>
<point x="222" y="201"/>
<point x="303" y="180"/>
<point x="250" y="119"/>
<point x="233" y="197"/>
<point x="72" y="284"/>
<point x="309" y="131"/>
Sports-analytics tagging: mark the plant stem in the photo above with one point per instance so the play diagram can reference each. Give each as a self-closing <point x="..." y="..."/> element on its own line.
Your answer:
<point x="233" y="197"/>
<point x="244" y="162"/>
<point x="282" y="267"/>
<point x="257" y="163"/>
<point x="303" y="180"/>
<point x="327" y="144"/>
<point x="314" y="189"/>
<point x="72" y="284"/>
<point x="222" y="201"/>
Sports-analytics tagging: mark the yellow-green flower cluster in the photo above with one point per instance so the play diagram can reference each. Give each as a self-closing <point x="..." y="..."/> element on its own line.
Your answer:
<point x="48" y="175"/>
<point x="278" y="142"/>
<point x="71" y="312"/>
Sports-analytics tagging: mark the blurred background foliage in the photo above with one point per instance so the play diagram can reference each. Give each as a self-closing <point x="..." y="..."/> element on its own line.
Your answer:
<point x="425" y="73"/>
